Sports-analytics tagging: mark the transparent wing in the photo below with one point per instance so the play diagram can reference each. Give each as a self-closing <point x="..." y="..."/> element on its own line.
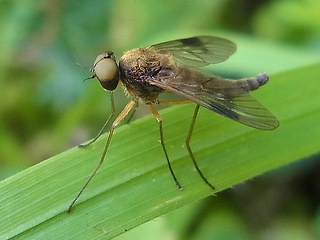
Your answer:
<point x="223" y="96"/>
<point x="198" y="51"/>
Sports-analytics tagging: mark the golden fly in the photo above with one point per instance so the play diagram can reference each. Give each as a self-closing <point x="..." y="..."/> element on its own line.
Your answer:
<point x="174" y="67"/>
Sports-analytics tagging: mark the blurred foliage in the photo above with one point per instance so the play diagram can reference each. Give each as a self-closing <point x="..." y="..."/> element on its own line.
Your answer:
<point x="47" y="48"/>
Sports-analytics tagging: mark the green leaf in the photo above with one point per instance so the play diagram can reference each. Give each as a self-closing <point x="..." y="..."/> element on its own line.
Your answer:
<point x="134" y="185"/>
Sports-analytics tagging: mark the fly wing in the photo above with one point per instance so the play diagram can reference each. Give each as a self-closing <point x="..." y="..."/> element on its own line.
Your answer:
<point x="198" y="51"/>
<point x="223" y="96"/>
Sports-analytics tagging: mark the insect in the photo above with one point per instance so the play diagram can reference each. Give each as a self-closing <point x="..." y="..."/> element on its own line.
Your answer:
<point x="173" y="66"/>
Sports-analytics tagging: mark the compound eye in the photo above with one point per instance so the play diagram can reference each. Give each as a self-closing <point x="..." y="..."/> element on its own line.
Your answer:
<point x="106" y="70"/>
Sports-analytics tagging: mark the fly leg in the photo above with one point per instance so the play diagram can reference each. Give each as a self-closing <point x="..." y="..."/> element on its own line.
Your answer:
<point x="159" y="119"/>
<point x="121" y="116"/>
<point x="104" y="125"/>
<point x="190" y="151"/>
<point x="129" y="118"/>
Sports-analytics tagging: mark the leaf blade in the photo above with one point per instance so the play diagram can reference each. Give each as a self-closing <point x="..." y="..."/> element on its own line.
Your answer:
<point x="134" y="184"/>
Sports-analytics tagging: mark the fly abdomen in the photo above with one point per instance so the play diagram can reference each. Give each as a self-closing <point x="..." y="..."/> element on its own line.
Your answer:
<point x="253" y="83"/>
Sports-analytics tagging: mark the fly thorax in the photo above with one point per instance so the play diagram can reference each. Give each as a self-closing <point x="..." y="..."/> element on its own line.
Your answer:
<point x="137" y="68"/>
<point x="139" y="64"/>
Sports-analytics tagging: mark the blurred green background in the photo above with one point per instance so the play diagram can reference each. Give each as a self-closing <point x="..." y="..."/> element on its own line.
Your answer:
<point x="48" y="47"/>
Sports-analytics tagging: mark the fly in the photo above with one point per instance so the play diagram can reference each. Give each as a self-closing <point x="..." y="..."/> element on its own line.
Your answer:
<point x="174" y="66"/>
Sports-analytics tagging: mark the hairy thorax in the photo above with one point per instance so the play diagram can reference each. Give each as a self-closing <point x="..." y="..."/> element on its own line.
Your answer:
<point x="137" y="69"/>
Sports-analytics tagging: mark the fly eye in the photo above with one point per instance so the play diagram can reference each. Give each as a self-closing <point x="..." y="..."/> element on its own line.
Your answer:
<point x="106" y="70"/>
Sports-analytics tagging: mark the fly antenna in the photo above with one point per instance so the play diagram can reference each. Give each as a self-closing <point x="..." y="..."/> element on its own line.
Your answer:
<point x="88" y="78"/>
<point x="83" y="66"/>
